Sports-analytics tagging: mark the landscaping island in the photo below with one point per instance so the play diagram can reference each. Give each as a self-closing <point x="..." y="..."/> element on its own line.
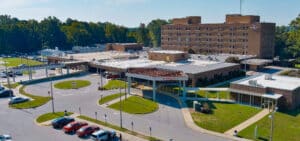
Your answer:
<point x="136" y="105"/>
<point x="72" y="84"/>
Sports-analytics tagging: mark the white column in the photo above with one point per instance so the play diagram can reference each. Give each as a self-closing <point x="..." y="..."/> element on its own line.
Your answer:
<point x="128" y="84"/>
<point x="154" y="90"/>
<point x="46" y="72"/>
<point x="184" y="90"/>
<point x="68" y="70"/>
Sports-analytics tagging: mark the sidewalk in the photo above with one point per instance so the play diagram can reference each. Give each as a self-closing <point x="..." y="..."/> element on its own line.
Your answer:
<point x="115" y="100"/>
<point x="125" y="136"/>
<point x="248" y="122"/>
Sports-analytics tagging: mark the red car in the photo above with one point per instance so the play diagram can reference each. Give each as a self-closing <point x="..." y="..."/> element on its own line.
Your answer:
<point x="74" y="126"/>
<point x="87" y="130"/>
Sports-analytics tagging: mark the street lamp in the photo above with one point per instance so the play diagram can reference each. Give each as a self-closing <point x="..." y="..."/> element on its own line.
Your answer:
<point x="121" y="124"/>
<point x="271" y="116"/>
<point x="51" y="92"/>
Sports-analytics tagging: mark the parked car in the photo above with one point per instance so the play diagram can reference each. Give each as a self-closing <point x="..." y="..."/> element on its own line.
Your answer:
<point x="5" y="138"/>
<point x="74" y="126"/>
<point x="22" y="65"/>
<point x="16" y="100"/>
<point x="87" y="130"/>
<point x="6" y="93"/>
<point x="2" y="88"/>
<point x="61" y="122"/>
<point x="103" y="135"/>
<point x="3" y="75"/>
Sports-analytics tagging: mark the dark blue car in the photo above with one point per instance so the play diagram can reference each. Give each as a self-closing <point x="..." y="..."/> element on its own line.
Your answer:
<point x="6" y="93"/>
<point x="61" y="122"/>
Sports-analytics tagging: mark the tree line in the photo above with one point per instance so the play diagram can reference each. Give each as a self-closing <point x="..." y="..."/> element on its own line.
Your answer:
<point x="287" y="40"/>
<point x="30" y="35"/>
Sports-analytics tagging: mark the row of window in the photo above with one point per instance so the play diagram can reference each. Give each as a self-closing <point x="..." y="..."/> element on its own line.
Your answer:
<point x="222" y="28"/>
<point x="204" y="34"/>
<point x="203" y="40"/>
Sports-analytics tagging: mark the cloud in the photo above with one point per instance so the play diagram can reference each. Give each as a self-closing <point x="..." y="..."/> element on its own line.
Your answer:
<point x="19" y="3"/>
<point x="120" y="2"/>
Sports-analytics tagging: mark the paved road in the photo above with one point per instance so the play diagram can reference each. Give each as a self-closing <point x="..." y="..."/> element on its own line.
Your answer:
<point x="166" y="123"/>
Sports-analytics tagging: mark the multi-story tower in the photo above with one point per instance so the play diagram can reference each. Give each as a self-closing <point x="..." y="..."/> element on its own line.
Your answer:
<point x="238" y="35"/>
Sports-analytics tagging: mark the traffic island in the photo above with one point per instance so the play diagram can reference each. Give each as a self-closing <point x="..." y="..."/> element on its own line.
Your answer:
<point x="222" y="116"/>
<point x="72" y="84"/>
<point x="50" y="116"/>
<point x="114" y="84"/>
<point x="136" y="105"/>
<point x="109" y="98"/>
<point x="286" y="127"/>
<point x="36" y="101"/>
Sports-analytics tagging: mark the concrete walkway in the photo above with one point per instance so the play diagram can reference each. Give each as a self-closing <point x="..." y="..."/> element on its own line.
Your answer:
<point x="115" y="100"/>
<point x="125" y="136"/>
<point x="191" y="124"/>
<point x="248" y="122"/>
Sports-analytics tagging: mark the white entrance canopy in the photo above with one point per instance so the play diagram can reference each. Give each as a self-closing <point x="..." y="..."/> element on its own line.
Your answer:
<point x="272" y="96"/>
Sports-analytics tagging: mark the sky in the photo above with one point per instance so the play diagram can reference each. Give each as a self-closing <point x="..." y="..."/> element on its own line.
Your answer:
<point x="131" y="13"/>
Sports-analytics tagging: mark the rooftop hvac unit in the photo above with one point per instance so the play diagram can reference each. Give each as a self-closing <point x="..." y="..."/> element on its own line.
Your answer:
<point x="71" y="57"/>
<point x="252" y="82"/>
<point x="268" y="77"/>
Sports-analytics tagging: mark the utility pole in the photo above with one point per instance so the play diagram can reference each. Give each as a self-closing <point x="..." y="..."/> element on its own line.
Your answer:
<point x="51" y="92"/>
<point x="241" y="1"/>
<point x="272" y="123"/>
<point x="121" y="120"/>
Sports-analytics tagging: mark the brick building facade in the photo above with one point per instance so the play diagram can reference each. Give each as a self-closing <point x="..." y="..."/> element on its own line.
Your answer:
<point x="238" y="35"/>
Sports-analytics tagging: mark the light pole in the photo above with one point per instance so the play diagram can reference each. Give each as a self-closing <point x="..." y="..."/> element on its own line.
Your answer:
<point x="51" y="92"/>
<point x="121" y="124"/>
<point x="271" y="116"/>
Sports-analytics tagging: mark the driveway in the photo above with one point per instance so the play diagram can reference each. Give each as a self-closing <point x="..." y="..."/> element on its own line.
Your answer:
<point x="166" y="123"/>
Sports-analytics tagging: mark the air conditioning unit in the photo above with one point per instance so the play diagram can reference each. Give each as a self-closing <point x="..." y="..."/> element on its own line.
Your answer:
<point x="252" y="82"/>
<point x="268" y="77"/>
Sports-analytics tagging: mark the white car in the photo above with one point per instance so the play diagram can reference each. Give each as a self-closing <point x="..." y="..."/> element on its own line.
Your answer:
<point x="5" y="138"/>
<point x="16" y="100"/>
<point x="103" y="135"/>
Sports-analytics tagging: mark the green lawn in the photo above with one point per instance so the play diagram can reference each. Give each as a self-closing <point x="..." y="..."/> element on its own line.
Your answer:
<point x="13" y="62"/>
<point x="13" y="86"/>
<point x="50" y="116"/>
<point x="136" y="105"/>
<point x="68" y="84"/>
<point x="114" y="84"/>
<point x="286" y="127"/>
<point x="214" y="94"/>
<point x="36" y="102"/>
<point x="297" y="66"/>
<point x="99" y="122"/>
<point x="224" y="116"/>
<point x="110" y="98"/>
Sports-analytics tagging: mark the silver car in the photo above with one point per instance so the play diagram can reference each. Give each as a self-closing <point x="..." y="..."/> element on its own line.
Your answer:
<point x="5" y="138"/>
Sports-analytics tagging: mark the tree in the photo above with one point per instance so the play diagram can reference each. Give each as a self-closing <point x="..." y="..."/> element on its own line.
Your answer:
<point x="154" y="28"/>
<point x="232" y="59"/>
<point x="51" y="34"/>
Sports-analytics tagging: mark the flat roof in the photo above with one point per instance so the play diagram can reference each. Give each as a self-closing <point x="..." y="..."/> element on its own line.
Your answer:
<point x="220" y="57"/>
<point x="97" y="55"/>
<point x="190" y="66"/>
<point x="257" y="61"/>
<point x="168" y="51"/>
<point x="276" y="81"/>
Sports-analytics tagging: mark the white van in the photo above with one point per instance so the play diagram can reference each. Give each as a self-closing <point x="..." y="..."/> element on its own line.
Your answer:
<point x="103" y="135"/>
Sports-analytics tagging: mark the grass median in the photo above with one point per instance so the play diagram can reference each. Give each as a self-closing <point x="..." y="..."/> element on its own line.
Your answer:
<point x="72" y="84"/>
<point x="50" y="116"/>
<point x="14" y="62"/>
<point x="136" y="105"/>
<point x="118" y="128"/>
<point x="286" y="127"/>
<point x="224" y="116"/>
<point x="110" y="98"/>
<point x="35" y="102"/>
<point x="114" y="84"/>
<point x="13" y="86"/>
